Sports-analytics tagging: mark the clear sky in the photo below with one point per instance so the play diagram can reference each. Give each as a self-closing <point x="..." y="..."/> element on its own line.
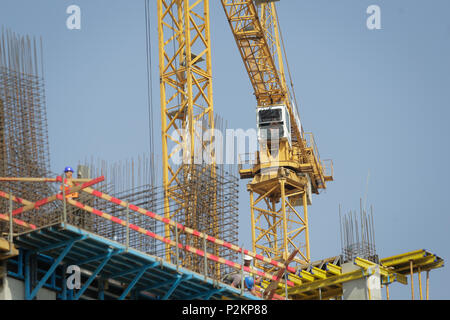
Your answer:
<point x="376" y="100"/>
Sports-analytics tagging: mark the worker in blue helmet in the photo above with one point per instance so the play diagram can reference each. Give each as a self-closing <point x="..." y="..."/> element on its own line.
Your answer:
<point x="68" y="183"/>
<point x="68" y="169"/>
<point x="250" y="284"/>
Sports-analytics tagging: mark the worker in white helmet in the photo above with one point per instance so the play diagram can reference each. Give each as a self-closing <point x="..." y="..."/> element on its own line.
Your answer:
<point x="249" y="281"/>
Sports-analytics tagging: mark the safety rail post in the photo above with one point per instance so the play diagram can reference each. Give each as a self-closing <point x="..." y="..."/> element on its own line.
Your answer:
<point x="177" y="253"/>
<point x="64" y="202"/>
<point x="128" y="227"/>
<point x="205" y="259"/>
<point x="10" y="236"/>
<point x="286" y="285"/>
<point x="242" y="270"/>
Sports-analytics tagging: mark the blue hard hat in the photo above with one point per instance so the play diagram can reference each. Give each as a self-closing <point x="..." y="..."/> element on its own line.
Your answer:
<point x="249" y="282"/>
<point x="67" y="169"/>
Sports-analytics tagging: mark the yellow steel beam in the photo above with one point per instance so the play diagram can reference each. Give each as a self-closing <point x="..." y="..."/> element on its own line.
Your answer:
<point x="331" y="281"/>
<point x="419" y="263"/>
<point x="333" y="269"/>
<point x="319" y="273"/>
<point x="305" y="275"/>
<point x="403" y="258"/>
<point x="384" y="272"/>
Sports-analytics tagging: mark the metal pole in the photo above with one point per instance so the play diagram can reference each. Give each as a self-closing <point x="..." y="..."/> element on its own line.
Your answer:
<point x="285" y="224"/>
<point x="420" y="283"/>
<point x="320" y="293"/>
<point x="286" y="285"/>
<point x="176" y="246"/>
<point x="252" y="216"/>
<point x="428" y="283"/>
<point x="387" y="292"/>
<point x="64" y="202"/>
<point x="242" y="270"/>
<point x="10" y="237"/>
<point x="205" y="259"/>
<point x="128" y="227"/>
<point x="305" y="211"/>
<point x="412" y="278"/>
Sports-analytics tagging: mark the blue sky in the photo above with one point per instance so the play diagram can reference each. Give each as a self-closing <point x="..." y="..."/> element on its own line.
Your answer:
<point x="376" y="100"/>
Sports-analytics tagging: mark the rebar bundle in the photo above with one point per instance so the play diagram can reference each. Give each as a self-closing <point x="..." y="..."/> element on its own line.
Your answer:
<point x="358" y="236"/>
<point x="206" y="199"/>
<point x="131" y="181"/>
<point x="209" y="205"/>
<point x="24" y="150"/>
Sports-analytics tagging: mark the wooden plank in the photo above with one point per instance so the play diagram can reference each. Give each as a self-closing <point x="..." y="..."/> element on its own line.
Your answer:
<point x="270" y="290"/>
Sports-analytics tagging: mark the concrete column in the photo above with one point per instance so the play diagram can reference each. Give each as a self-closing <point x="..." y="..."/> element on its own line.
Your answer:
<point x="367" y="288"/>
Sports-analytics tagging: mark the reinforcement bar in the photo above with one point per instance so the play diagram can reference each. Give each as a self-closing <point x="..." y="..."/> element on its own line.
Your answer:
<point x="171" y="242"/>
<point x="186" y="229"/>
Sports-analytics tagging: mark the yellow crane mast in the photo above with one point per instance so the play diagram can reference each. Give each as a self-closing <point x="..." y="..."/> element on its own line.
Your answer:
<point x="186" y="105"/>
<point x="287" y="168"/>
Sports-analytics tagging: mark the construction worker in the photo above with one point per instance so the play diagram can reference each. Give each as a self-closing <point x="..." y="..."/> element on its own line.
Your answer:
<point x="249" y="281"/>
<point x="68" y="183"/>
<point x="75" y="216"/>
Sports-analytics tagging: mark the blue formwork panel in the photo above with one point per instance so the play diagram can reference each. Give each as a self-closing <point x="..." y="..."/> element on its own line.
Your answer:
<point x="138" y="275"/>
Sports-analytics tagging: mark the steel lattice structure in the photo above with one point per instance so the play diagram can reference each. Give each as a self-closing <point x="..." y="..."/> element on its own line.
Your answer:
<point x="186" y="108"/>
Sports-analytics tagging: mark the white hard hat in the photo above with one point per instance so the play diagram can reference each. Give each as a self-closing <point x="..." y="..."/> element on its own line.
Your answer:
<point x="248" y="258"/>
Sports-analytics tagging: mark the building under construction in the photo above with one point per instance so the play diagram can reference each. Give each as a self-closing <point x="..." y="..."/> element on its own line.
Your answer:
<point x="129" y="236"/>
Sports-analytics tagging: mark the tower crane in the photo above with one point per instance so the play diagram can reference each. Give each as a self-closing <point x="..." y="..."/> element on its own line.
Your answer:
<point x="186" y="111"/>
<point x="287" y="169"/>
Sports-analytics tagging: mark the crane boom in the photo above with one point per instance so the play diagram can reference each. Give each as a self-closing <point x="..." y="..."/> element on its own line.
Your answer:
<point x="257" y="52"/>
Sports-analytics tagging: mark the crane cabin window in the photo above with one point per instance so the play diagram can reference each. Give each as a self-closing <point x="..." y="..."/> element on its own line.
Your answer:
<point x="273" y="122"/>
<point x="270" y="115"/>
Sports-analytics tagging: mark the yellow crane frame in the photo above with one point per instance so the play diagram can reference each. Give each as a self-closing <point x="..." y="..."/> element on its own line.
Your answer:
<point x="186" y="101"/>
<point x="282" y="181"/>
